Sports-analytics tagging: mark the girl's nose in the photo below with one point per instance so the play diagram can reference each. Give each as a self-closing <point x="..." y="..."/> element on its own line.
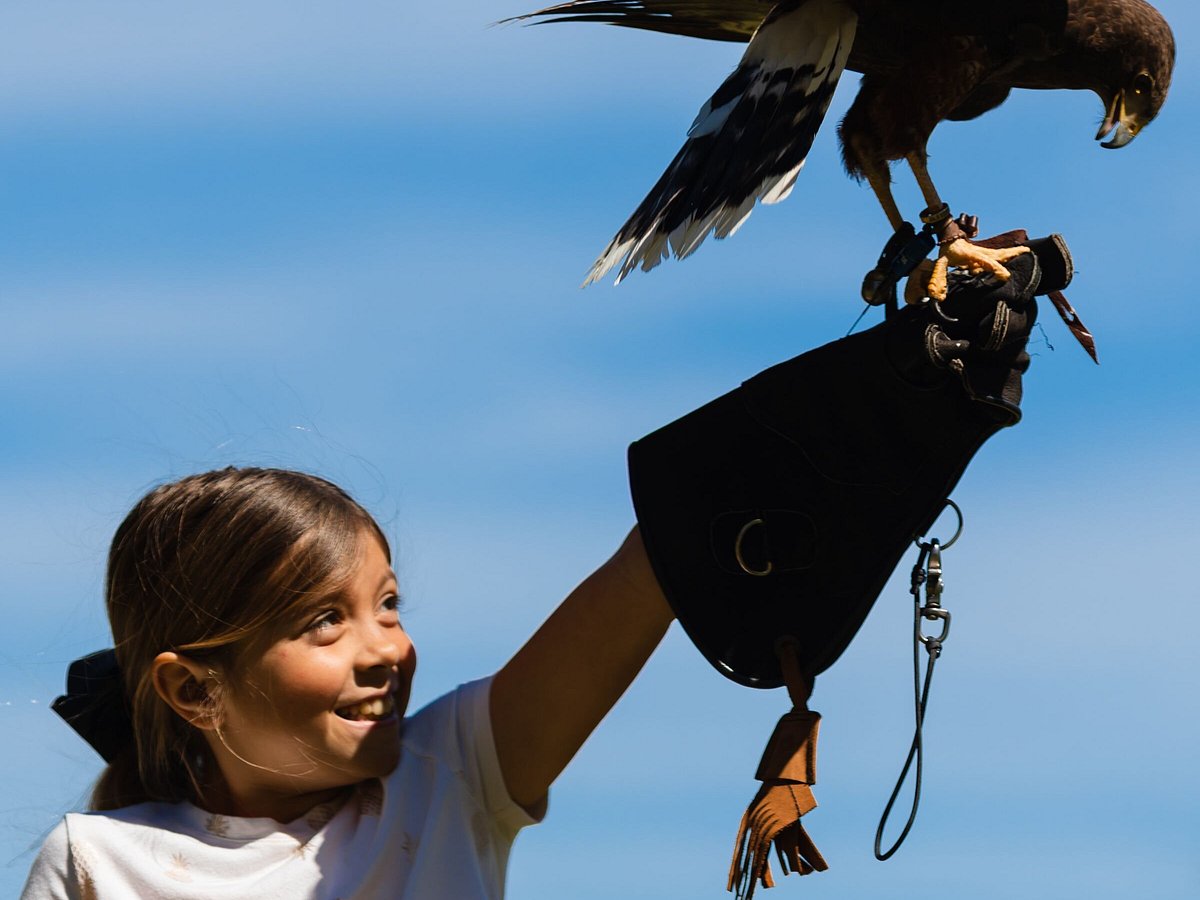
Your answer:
<point x="383" y="647"/>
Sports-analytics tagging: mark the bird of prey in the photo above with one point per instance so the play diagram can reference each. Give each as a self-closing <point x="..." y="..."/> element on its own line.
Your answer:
<point x="922" y="61"/>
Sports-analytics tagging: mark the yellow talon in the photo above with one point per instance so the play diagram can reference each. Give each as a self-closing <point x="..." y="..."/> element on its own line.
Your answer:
<point x="938" y="286"/>
<point x="916" y="289"/>
<point x="975" y="260"/>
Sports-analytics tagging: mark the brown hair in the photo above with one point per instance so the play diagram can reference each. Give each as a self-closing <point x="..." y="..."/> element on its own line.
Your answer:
<point x="201" y="566"/>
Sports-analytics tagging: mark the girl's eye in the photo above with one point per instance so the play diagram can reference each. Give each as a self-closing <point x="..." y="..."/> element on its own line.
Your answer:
<point x="391" y="604"/>
<point x="324" y="621"/>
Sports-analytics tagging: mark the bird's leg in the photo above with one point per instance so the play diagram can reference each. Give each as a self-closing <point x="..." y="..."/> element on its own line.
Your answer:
<point x="953" y="248"/>
<point x="916" y="162"/>
<point x="881" y="184"/>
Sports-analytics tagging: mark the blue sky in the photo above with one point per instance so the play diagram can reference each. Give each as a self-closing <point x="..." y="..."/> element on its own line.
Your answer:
<point x="348" y="238"/>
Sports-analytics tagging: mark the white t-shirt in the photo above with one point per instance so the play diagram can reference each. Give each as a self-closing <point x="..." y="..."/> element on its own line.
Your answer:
<point x="440" y="826"/>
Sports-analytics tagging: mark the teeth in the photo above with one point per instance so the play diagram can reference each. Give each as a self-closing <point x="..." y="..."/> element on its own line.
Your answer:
<point x="369" y="709"/>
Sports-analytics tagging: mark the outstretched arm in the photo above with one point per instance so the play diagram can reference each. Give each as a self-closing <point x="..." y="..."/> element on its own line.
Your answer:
<point x="548" y="698"/>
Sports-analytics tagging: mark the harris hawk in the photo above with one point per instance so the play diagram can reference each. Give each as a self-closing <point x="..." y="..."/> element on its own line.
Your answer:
<point x="922" y="62"/>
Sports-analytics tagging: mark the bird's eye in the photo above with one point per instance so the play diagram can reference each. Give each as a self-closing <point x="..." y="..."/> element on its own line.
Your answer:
<point x="1143" y="84"/>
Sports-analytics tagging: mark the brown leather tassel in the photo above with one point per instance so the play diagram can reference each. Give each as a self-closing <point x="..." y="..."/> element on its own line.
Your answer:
<point x="787" y="770"/>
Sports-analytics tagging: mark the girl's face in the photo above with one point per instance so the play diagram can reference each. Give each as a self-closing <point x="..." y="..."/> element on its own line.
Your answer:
<point x="321" y="708"/>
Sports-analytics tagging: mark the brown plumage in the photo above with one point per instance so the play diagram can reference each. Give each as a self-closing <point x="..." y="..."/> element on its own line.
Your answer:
<point x="923" y="61"/>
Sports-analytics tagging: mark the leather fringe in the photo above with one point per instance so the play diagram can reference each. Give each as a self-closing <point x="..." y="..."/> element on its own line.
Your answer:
<point x="787" y="771"/>
<point x="773" y="817"/>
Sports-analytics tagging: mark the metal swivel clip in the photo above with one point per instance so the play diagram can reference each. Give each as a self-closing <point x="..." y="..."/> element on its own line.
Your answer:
<point x="927" y="574"/>
<point x="932" y="611"/>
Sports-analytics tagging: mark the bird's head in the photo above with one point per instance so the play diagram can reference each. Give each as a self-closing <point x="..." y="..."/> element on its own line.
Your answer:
<point x="1139" y="73"/>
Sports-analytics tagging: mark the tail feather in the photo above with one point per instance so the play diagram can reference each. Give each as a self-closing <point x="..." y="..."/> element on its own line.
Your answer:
<point x="749" y="141"/>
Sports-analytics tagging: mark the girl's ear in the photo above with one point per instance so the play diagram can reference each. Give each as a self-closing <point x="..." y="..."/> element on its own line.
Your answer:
<point x="188" y="687"/>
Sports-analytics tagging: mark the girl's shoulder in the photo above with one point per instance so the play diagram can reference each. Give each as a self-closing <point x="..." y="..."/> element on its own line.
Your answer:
<point x="101" y="828"/>
<point x="449" y="727"/>
<point x="449" y="758"/>
<point x="75" y="858"/>
<point x="183" y="820"/>
<point x="169" y="849"/>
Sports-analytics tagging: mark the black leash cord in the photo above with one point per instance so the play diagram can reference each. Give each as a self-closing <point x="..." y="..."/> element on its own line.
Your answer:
<point x="930" y="552"/>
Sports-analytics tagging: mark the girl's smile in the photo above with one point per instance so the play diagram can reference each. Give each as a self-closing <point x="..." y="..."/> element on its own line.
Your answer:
<point x="379" y="709"/>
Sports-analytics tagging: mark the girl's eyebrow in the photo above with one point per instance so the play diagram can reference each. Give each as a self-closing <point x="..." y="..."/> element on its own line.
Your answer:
<point x="313" y="605"/>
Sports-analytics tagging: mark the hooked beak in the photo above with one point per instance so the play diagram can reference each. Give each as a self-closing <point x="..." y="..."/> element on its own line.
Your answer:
<point x="1120" y="122"/>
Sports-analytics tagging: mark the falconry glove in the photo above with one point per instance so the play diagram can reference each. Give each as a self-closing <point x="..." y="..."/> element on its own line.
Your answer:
<point x="774" y="515"/>
<point x="981" y="333"/>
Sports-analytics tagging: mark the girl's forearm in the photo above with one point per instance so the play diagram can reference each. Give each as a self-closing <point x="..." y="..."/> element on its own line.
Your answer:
<point x="551" y="695"/>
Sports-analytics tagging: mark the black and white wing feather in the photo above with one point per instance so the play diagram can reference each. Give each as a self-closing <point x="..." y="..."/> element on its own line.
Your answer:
<point x="749" y="141"/>
<point x="718" y="20"/>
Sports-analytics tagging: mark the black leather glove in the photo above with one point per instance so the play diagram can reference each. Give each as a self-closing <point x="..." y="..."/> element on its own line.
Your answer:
<point x="781" y="509"/>
<point x="982" y="331"/>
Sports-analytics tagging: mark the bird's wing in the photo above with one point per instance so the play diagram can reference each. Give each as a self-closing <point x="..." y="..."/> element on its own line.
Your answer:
<point x="720" y="20"/>
<point x="749" y="141"/>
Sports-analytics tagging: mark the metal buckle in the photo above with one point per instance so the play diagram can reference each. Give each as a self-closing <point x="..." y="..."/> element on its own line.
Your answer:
<point x="737" y="551"/>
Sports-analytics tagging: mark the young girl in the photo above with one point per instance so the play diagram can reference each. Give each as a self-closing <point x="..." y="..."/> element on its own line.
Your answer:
<point x="267" y="672"/>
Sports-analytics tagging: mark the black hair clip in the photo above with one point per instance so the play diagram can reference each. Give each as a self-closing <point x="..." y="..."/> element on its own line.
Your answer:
<point x="94" y="704"/>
